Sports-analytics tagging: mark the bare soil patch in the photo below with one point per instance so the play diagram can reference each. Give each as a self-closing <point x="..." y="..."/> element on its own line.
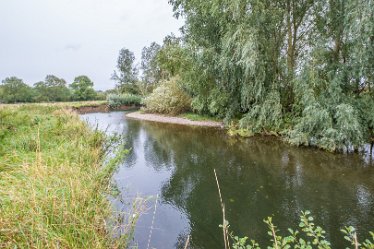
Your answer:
<point x="102" y="108"/>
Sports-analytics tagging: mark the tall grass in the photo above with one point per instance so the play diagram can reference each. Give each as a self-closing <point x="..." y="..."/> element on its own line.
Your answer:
<point x="117" y="100"/>
<point x="52" y="180"/>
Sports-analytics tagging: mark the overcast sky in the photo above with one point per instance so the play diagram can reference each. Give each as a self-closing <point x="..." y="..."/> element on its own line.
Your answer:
<point x="68" y="38"/>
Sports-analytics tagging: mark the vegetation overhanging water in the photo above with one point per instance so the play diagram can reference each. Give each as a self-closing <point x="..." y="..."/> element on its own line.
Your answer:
<point x="259" y="177"/>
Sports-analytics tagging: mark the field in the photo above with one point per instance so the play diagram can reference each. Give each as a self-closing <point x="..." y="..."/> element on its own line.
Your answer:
<point x="73" y="104"/>
<point x="53" y="181"/>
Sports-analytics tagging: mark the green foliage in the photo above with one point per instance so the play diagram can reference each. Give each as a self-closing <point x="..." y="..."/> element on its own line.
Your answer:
<point x="309" y="129"/>
<point x="13" y="90"/>
<point x="310" y="61"/>
<point x="52" y="89"/>
<point x="131" y="88"/>
<point x="264" y="117"/>
<point x="310" y="236"/>
<point x="53" y="180"/>
<point x="365" y="105"/>
<point x="351" y="236"/>
<point x="169" y="58"/>
<point x="168" y="98"/>
<point x="241" y="243"/>
<point x="317" y="127"/>
<point x="329" y="118"/>
<point x="149" y="65"/>
<point x="82" y="88"/>
<point x="100" y="95"/>
<point x="127" y="99"/>
<point x="127" y="74"/>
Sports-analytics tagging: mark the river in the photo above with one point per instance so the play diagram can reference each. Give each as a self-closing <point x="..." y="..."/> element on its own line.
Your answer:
<point x="259" y="177"/>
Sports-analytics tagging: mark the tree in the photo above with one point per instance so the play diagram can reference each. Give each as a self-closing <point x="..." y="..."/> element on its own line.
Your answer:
<point x="82" y="88"/>
<point x="170" y="57"/>
<point x="52" y="89"/>
<point x="303" y="68"/>
<point x="126" y="76"/>
<point x="41" y="92"/>
<point x="149" y="65"/>
<point x="14" y="90"/>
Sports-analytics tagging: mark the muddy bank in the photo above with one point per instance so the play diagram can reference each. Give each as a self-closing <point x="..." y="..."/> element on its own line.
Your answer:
<point x="172" y="120"/>
<point x="102" y="108"/>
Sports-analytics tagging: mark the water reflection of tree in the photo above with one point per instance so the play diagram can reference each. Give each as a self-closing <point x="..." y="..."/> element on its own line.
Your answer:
<point x="259" y="177"/>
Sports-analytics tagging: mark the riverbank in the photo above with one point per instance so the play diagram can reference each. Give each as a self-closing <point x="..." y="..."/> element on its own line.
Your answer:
<point x="256" y="174"/>
<point x="173" y="120"/>
<point x="81" y="107"/>
<point x="53" y="181"/>
<point x="102" y="108"/>
<point x="72" y="104"/>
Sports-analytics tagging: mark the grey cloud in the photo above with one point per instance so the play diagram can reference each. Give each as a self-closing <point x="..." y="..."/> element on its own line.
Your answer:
<point x="75" y="37"/>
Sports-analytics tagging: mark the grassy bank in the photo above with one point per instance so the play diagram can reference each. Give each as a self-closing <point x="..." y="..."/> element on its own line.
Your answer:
<point x="52" y="180"/>
<point x="73" y="104"/>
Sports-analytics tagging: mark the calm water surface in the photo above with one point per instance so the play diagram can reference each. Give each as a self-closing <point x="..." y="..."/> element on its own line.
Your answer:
<point x="259" y="177"/>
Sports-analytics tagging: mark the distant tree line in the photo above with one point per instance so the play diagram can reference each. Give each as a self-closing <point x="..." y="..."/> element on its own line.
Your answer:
<point x="52" y="89"/>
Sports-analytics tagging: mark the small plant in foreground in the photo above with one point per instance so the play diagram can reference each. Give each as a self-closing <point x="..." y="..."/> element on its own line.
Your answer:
<point x="310" y="236"/>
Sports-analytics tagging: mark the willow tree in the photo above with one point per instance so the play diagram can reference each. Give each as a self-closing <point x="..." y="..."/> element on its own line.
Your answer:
<point x="303" y="68"/>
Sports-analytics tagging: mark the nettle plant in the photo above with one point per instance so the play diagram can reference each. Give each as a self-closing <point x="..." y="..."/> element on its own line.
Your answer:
<point x="310" y="236"/>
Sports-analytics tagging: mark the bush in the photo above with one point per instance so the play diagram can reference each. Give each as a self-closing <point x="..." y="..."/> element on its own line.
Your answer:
<point x="116" y="100"/>
<point x="168" y="98"/>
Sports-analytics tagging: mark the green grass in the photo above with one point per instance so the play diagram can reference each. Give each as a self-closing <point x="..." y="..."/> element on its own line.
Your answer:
<point x="75" y="104"/>
<point x="198" y="117"/>
<point x="52" y="180"/>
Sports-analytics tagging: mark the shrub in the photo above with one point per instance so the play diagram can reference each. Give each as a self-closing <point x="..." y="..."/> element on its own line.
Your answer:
<point x="168" y="98"/>
<point x="116" y="100"/>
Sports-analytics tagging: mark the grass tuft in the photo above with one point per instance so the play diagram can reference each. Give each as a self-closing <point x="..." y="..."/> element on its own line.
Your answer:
<point x="52" y="182"/>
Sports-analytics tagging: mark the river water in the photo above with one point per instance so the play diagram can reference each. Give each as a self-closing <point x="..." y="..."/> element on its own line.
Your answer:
<point x="259" y="177"/>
